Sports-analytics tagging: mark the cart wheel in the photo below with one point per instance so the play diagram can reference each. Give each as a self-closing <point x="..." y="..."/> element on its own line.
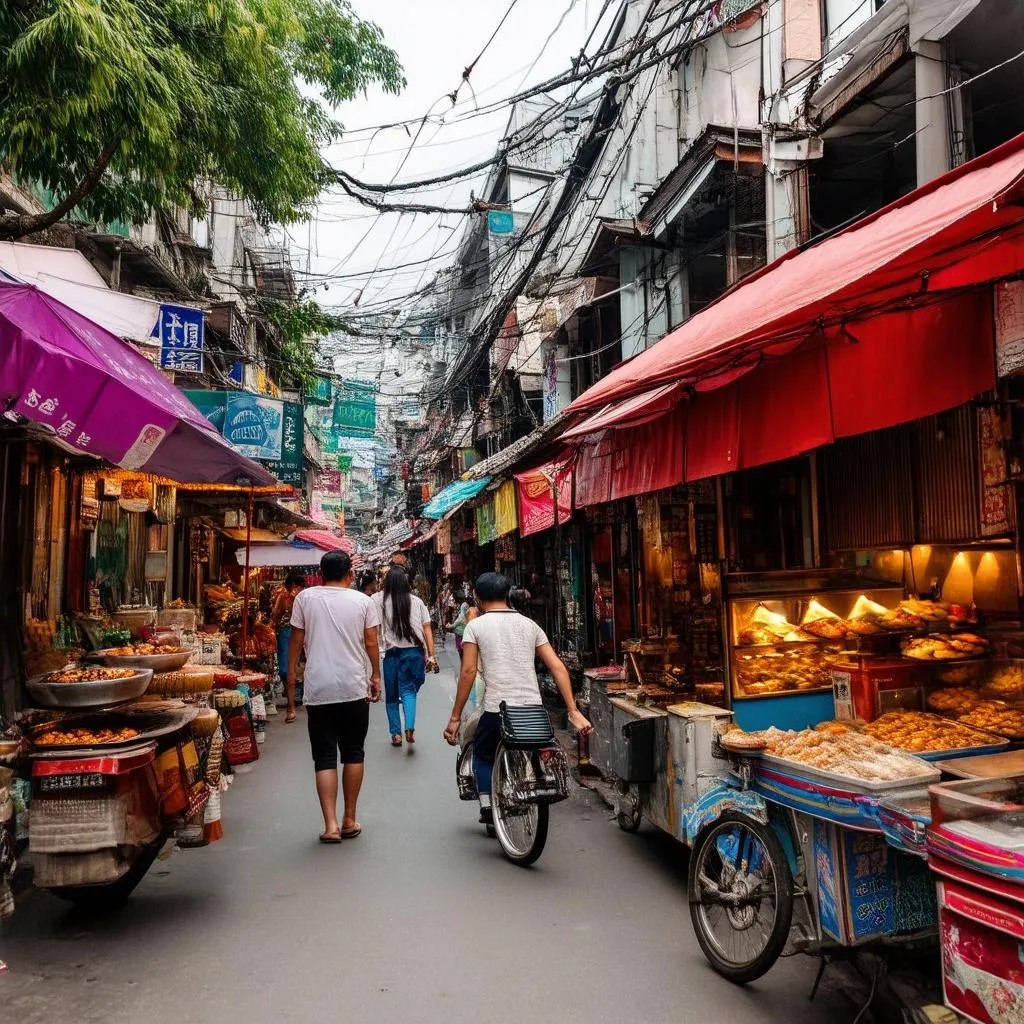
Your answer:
<point x="741" y="896"/>
<point x="629" y="813"/>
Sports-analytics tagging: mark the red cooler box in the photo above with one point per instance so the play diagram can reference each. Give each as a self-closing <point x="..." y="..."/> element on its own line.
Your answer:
<point x="866" y="686"/>
<point x="981" y="927"/>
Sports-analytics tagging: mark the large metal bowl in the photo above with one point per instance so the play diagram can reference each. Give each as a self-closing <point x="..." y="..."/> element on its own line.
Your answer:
<point x="102" y="693"/>
<point x="156" y="662"/>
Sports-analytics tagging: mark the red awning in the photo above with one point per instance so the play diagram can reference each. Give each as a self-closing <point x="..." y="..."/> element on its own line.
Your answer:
<point x="633" y="411"/>
<point x="911" y="262"/>
<point x="326" y="540"/>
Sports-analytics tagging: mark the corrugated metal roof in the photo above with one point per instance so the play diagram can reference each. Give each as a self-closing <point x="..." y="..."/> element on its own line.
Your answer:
<point x="501" y="463"/>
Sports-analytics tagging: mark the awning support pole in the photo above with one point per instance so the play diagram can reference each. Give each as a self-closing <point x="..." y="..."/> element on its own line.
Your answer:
<point x="245" y="580"/>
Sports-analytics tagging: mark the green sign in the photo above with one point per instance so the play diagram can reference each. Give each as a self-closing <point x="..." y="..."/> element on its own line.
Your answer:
<point x="212" y="404"/>
<point x="344" y="463"/>
<point x="288" y="469"/>
<point x="321" y="392"/>
<point x="355" y="409"/>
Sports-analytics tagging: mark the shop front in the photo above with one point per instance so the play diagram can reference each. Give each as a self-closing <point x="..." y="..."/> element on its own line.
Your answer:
<point x="867" y="562"/>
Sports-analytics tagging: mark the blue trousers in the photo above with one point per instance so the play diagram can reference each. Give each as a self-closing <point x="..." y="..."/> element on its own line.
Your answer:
<point x="405" y="670"/>
<point x="485" y="743"/>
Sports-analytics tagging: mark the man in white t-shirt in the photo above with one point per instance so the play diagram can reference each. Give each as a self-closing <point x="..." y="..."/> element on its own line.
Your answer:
<point x="505" y="645"/>
<point x="336" y="625"/>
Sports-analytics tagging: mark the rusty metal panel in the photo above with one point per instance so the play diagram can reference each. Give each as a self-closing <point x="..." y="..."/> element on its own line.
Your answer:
<point x="868" y="492"/>
<point x="947" y="477"/>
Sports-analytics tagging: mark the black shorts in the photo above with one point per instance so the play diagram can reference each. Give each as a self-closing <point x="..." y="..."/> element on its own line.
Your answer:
<point x="337" y="730"/>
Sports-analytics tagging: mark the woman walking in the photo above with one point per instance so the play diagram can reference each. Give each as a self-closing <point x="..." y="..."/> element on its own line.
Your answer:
<point x="408" y="643"/>
<point x="281" y="617"/>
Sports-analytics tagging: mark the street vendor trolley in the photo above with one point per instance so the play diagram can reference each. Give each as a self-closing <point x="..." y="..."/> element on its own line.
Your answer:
<point x="783" y="856"/>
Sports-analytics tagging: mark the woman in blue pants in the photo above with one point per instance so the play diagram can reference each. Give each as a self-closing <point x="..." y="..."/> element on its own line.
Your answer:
<point x="408" y="644"/>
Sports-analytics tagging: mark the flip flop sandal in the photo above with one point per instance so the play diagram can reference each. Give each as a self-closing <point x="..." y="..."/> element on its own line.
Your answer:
<point x="409" y="736"/>
<point x="351" y="833"/>
<point x="327" y="837"/>
<point x="396" y="741"/>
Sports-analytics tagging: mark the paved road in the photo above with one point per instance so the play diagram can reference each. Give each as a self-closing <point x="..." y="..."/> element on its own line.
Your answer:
<point x="418" y="920"/>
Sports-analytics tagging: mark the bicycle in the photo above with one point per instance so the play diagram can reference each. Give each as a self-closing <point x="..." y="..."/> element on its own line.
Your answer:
<point x="531" y="772"/>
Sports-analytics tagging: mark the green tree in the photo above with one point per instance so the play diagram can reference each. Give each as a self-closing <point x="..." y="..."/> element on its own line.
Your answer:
<point x="301" y="324"/>
<point x="121" y="106"/>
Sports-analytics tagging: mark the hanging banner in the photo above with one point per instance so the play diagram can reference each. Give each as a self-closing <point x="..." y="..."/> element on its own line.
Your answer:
<point x="505" y="518"/>
<point x="254" y="425"/>
<point x="485" y="532"/>
<point x="537" y="498"/>
<point x="180" y="330"/>
<point x="320" y="391"/>
<point x="288" y="469"/>
<point x="355" y="409"/>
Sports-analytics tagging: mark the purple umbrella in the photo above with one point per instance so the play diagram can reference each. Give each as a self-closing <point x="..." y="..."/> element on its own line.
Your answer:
<point x="100" y="397"/>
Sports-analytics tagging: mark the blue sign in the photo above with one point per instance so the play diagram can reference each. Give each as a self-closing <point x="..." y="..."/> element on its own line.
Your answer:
<point x="500" y="222"/>
<point x="828" y="885"/>
<point x="237" y="373"/>
<point x="254" y="425"/>
<point x="180" y="330"/>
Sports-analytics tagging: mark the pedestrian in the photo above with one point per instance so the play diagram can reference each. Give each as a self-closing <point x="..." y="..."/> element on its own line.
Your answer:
<point x="336" y="626"/>
<point x="467" y="613"/>
<point x="280" y="618"/>
<point x="408" y="643"/>
<point x="367" y="583"/>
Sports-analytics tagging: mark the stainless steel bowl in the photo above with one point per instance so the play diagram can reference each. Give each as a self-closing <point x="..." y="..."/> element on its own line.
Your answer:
<point x="156" y="662"/>
<point x="98" y="694"/>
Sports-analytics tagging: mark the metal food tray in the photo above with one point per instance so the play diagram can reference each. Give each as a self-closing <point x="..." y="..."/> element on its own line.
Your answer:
<point x="156" y="662"/>
<point x="164" y="724"/>
<point x="97" y="694"/>
<point x="847" y="783"/>
<point x="997" y="745"/>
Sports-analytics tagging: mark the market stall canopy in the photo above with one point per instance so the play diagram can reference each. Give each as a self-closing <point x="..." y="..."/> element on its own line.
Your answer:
<point x="283" y="554"/>
<point x="862" y="288"/>
<point x="100" y="397"/>
<point x="634" y="411"/>
<point x="69" y="277"/>
<point x="325" y="540"/>
<point x="515" y="454"/>
<point x="453" y="496"/>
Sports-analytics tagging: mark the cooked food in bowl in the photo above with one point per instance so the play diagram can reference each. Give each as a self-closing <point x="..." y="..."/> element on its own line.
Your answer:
<point x="90" y="675"/>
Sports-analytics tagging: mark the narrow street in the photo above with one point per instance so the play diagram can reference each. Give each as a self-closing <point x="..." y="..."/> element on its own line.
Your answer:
<point x="420" y="919"/>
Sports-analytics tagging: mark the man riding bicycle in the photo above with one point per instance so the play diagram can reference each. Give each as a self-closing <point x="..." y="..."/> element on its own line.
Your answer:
<point x="503" y="644"/>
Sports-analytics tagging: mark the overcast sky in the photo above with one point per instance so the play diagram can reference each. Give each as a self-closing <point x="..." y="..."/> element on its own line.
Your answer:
<point x="435" y="41"/>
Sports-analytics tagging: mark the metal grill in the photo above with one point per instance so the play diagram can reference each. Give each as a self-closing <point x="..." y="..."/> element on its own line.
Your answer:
<point x="947" y="477"/>
<point x="869" y="492"/>
<point x="918" y="483"/>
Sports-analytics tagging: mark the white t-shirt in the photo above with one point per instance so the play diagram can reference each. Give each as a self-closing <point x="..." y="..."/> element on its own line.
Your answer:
<point x="335" y="620"/>
<point x="418" y="618"/>
<point x="508" y="644"/>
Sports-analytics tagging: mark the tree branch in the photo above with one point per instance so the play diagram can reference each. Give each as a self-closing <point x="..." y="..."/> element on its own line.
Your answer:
<point x="13" y="228"/>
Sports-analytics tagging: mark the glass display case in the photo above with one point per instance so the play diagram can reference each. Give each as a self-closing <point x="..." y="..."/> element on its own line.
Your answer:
<point x="784" y="629"/>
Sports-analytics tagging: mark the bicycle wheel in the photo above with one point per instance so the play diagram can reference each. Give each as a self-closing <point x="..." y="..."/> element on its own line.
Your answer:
<point x="741" y="896"/>
<point x="521" y="825"/>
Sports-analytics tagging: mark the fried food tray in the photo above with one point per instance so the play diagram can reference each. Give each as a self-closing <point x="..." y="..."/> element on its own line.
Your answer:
<point x="847" y="783"/>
